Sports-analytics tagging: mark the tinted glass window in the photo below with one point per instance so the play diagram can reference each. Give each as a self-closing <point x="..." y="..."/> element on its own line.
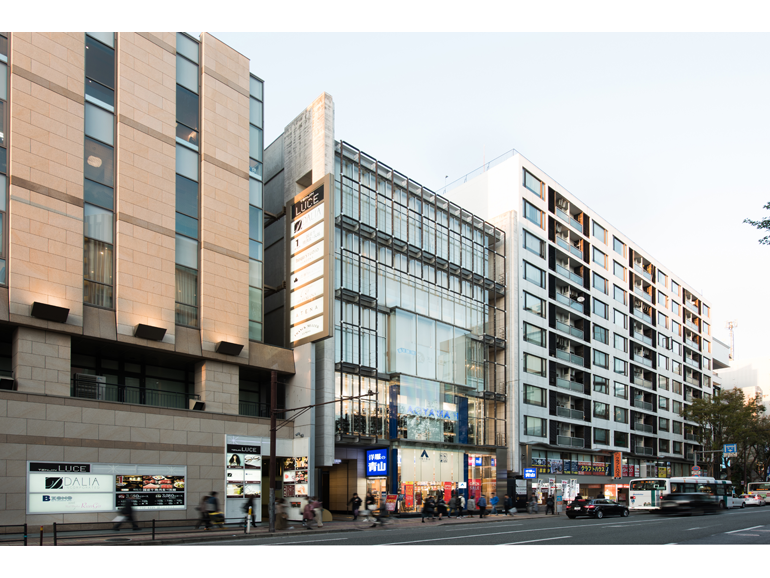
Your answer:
<point x="187" y="46"/>
<point x="187" y="225"/>
<point x="186" y="196"/>
<point x="187" y="107"/>
<point x="99" y="92"/>
<point x="255" y="87"/>
<point x="98" y="194"/>
<point x="99" y="162"/>
<point x="99" y="124"/>
<point x="255" y="112"/>
<point x="186" y="73"/>
<point x="100" y="63"/>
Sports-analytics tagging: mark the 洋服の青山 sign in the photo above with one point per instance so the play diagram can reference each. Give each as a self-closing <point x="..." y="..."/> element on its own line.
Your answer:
<point x="377" y="462"/>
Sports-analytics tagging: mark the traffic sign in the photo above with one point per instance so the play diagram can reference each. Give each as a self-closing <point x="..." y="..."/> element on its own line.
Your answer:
<point x="696" y="471"/>
<point x="730" y="450"/>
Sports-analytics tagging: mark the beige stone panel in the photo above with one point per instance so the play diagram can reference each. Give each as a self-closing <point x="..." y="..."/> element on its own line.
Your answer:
<point x="145" y="457"/>
<point x="81" y="430"/>
<point x="237" y="428"/>
<point x="159" y="421"/>
<point x="187" y="424"/>
<point x="199" y="459"/>
<point x="227" y="62"/>
<point x="114" y="456"/>
<point x="25" y="409"/>
<point x="174" y="459"/>
<point x="74" y="454"/>
<point x="145" y="435"/>
<point x="200" y="438"/>
<point x="13" y="451"/>
<point x="257" y="429"/>
<point x="213" y="426"/>
<point x="36" y="427"/>
<point x="16" y="468"/>
<point x="130" y="418"/>
<point x="45" y="453"/>
<point x="13" y="484"/>
<point x="170" y="436"/>
<point x="114" y="433"/>
<point x="13" y="426"/>
<point x="4" y="408"/>
<point x="98" y="416"/>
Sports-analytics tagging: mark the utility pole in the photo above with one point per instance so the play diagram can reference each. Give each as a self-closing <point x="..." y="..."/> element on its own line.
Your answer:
<point x="274" y="431"/>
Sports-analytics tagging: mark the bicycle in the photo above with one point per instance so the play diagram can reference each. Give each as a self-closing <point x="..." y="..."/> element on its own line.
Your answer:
<point x="368" y="519"/>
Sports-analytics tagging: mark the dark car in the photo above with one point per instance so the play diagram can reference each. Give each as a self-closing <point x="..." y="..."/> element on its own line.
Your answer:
<point x="687" y="504"/>
<point x="596" y="509"/>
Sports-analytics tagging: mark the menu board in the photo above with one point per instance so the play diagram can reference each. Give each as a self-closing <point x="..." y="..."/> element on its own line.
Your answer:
<point x="243" y="473"/>
<point x="295" y="476"/>
<point x="150" y="492"/>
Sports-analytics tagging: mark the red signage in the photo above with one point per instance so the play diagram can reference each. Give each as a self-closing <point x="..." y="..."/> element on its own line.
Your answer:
<point x="408" y="496"/>
<point x="447" y="491"/>
<point x="617" y="463"/>
<point x="474" y="487"/>
<point x="390" y="502"/>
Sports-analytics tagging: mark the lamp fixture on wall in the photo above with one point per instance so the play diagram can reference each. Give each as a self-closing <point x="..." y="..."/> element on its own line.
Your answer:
<point x="227" y="348"/>
<point x="149" y="332"/>
<point x="50" y="312"/>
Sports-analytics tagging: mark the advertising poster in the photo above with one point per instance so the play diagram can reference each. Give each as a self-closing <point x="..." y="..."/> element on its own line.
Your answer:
<point x="556" y="466"/>
<point x="409" y="496"/>
<point x="474" y="488"/>
<point x="617" y="463"/>
<point x="390" y="502"/>
<point x="447" y="491"/>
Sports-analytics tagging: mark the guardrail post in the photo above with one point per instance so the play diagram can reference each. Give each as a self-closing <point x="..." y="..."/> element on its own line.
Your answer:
<point x="153" y="528"/>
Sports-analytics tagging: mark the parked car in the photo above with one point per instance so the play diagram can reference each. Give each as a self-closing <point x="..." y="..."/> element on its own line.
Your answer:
<point x="687" y="504"/>
<point x="596" y="509"/>
<point x="753" y="500"/>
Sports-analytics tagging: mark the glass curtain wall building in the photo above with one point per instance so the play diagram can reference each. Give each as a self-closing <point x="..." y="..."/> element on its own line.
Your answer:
<point x="420" y="320"/>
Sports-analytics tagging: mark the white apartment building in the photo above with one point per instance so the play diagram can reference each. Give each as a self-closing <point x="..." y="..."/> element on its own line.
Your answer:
<point x="609" y="344"/>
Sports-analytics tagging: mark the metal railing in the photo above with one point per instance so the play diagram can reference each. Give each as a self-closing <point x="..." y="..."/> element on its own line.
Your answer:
<point x="692" y="362"/>
<point x="642" y="315"/>
<point x="569" y="247"/>
<point x="643" y="338"/>
<point x="691" y="437"/>
<point x="643" y="360"/>
<point x="643" y="294"/>
<point x="569" y="384"/>
<point x="692" y="307"/>
<point x="570" y="441"/>
<point x="691" y="325"/>
<point x="569" y="302"/>
<point x="644" y="450"/>
<point x="692" y="381"/>
<point x="87" y="389"/>
<point x="641" y="381"/>
<point x="571" y="329"/>
<point x="253" y="409"/>
<point x="570" y="413"/>
<point x="13" y="533"/>
<point x="647" y="275"/>
<point x="576" y="224"/>
<point x="692" y="344"/>
<point x="562" y="215"/>
<point x="643" y="404"/>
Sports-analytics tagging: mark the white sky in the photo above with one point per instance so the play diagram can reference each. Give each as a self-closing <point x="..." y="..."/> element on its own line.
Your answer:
<point x="662" y="132"/>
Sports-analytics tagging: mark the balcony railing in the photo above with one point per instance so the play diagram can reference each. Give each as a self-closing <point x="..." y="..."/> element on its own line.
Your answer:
<point x="569" y="247"/>
<point x="570" y="441"/>
<point x="576" y="359"/>
<point x="642" y="272"/>
<point x="690" y="437"/>
<point x="562" y="215"/>
<point x="571" y="329"/>
<point x="644" y="450"/>
<point x="570" y="302"/>
<point x="576" y="224"/>
<point x="638" y="426"/>
<point x="692" y="381"/>
<point x="254" y="409"/>
<point x="692" y="307"/>
<point x="643" y="294"/>
<point x="569" y="384"/>
<point x="643" y="338"/>
<point x="643" y="360"/>
<point x="641" y="315"/>
<point x="692" y="362"/>
<point x="570" y="413"/>
<point x="691" y="344"/>
<point x="562" y="354"/>
<point x="691" y="325"/>
<point x="131" y="394"/>
<point x="641" y="381"/>
<point x="643" y="404"/>
<point x="689" y="456"/>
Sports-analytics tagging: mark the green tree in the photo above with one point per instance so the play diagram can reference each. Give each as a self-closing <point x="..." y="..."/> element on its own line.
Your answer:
<point x="763" y="225"/>
<point x="727" y="417"/>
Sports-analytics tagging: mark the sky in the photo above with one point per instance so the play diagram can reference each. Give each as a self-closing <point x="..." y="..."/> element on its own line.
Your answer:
<point x="664" y="135"/>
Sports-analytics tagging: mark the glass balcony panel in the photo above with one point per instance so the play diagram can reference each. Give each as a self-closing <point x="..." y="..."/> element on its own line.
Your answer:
<point x="575" y="251"/>
<point x="563" y="243"/>
<point x="576" y="359"/>
<point x="562" y="215"/>
<point x="562" y="354"/>
<point x="576" y="332"/>
<point x="643" y="450"/>
<point x="576" y="278"/>
<point x="576" y="224"/>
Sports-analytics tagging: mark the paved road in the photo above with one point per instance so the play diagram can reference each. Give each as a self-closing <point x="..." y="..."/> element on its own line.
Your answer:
<point x="747" y="526"/>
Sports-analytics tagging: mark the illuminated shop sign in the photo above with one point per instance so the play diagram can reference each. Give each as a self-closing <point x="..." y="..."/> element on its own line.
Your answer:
<point x="377" y="462"/>
<point x="405" y="409"/>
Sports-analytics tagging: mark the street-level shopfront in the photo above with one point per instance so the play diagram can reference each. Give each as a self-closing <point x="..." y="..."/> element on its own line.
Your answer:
<point x="424" y="471"/>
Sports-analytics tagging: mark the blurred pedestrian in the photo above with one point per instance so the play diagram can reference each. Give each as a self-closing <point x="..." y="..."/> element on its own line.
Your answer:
<point x="481" y="504"/>
<point x="355" y="503"/>
<point x="127" y="512"/>
<point x="493" y="501"/>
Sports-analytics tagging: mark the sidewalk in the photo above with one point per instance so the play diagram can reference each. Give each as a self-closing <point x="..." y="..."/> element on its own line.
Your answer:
<point x="341" y="523"/>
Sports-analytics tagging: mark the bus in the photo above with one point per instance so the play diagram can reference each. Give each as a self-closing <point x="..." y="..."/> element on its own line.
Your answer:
<point x="761" y="488"/>
<point x="645" y="493"/>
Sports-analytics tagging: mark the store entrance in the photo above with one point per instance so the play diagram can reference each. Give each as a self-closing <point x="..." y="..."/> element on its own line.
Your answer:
<point x="377" y="486"/>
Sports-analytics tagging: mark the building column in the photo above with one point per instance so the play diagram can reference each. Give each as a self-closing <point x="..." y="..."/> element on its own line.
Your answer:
<point x="217" y="383"/>
<point x="41" y="361"/>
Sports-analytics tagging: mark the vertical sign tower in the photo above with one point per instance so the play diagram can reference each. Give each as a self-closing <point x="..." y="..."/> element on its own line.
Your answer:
<point x="309" y="263"/>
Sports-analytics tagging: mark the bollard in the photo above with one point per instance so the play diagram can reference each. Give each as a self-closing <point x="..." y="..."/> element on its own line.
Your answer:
<point x="153" y="528"/>
<point x="41" y="533"/>
<point x="248" y="522"/>
<point x="25" y="534"/>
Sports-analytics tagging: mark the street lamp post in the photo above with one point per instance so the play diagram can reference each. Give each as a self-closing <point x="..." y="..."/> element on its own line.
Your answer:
<point x="274" y="430"/>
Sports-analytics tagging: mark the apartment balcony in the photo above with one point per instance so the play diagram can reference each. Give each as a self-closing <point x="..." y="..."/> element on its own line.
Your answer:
<point x="691" y="325"/>
<point x="570" y="413"/>
<point x="689" y="456"/>
<point x="644" y="451"/>
<point x="692" y="362"/>
<point x="92" y="389"/>
<point x="691" y="437"/>
<point x="692" y="307"/>
<point x="569" y="384"/>
<point x="569" y="302"/>
<point x="643" y="338"/>
<point x="637" y="379"/>
<point x="569" y="356"/>
<point x="568" y="274"/>
<point x="570" y="441"/>
<point x="639" y="426"/>
<point x="562" y="214"/>
<point x="571" y="329"/>
<point x="638" y="358"/>
<point x="688" y="396"/>
<point x="565" y="244"/>
<point x="643" y="404"/>
<point x="643" y="272"/>
<point x="691" y="344"/>
<point x="638" y="312"/>
<point x="692" y="381"/>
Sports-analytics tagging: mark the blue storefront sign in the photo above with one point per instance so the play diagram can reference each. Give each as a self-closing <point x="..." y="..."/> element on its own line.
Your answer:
<point x="377" y="462"/>
<point x="530" y="473"/>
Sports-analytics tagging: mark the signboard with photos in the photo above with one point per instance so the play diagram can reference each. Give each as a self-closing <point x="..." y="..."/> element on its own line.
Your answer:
<point x="66" y="487"/>
<point x="309" y="261"/>
<point x="295" y="477"/>
<point x="243" y="470"/>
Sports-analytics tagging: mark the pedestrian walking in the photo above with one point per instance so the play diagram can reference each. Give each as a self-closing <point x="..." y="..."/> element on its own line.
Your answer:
<point x="371" y="506"/>
<point x="281" y="519"/>
<point x="127" y="514"/>
<point x="453" y="506"/>
<point x="461" y="505"/>
<point x="308" y="514"/>
<point x="471" y="506"/>
<point x="248" y="509"/>
<point x="507" y="505"/>
<point x="202" y="507"/>
<point x="441" y="508"/>
<point x="493" y="501"/>
<point x="214" y="513"/>
<point x="428" y="508"/>
<point x="355" y="504"/>
<point x="549" y="505"/>
<point x="318" y="510"/>
<point x="481" y="504"/>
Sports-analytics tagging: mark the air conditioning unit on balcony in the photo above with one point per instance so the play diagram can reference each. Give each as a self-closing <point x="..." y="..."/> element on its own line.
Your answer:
<point x="90" y="386"/>
<point x="562" y="204"/>
<point x="559" y="229"/>
<point x="563" y="289"/>
<point x="564" y="264"/>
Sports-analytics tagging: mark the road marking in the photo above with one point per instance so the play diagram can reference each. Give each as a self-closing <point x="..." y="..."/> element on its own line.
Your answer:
<point x="310" y="541"/>
<point x="466" y="529"/>
<point x="743" y="530"/>
<point x="530" y="541"/>
<point x="509" y="532"/>
<point x="747" y="534"/>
